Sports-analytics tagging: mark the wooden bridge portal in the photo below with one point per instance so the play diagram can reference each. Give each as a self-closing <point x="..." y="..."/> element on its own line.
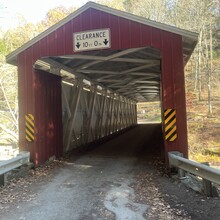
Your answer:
<point x="81" y="79"/>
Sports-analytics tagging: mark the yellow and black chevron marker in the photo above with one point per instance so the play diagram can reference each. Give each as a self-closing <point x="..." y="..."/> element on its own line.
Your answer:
<point x="170" y="124"/>
<point x="29" y="127"/>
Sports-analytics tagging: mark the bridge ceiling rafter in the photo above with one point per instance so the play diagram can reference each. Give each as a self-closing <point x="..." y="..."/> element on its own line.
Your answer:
<point x="134" y="73"/>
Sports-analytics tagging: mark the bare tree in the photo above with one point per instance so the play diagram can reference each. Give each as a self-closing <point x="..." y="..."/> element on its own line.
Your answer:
<point x="8" y="104"/>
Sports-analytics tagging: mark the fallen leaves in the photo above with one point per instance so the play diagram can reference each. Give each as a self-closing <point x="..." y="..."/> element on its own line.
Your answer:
<point x="147" y="191"/>
<point x="19" y="189"/>
<point x="169" y="198"/>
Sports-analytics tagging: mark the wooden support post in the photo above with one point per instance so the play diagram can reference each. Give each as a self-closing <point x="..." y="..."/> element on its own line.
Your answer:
<point x="181" y="172"/>
<point x="91" y="113"/>
<point x="66" y="104"/>
<point x="126" y="112"/>
<point x="133" y="113"/>
<point x="73" y="107"/>
<point x="108" y="105"/>
<point x="103" y="108"/>
<point x="3" y="179"/>
<point x="85" y="115"/>
<point x="122" y="114"/>
<point x="129" y="113"/>
<point x="110" y="113"/>
<point x="117" y="114"/>
<point x="208" y="188"/>
<point x="98" y="115"/>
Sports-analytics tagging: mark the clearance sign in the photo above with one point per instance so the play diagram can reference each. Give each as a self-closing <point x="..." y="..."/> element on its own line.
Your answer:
<point x="91" y="40"/>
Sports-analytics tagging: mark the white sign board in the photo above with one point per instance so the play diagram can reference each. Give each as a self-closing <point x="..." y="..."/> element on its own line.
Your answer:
<point x="91" y="40"/>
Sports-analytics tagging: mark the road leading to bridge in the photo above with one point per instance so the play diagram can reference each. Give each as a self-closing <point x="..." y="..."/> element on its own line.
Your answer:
<point x="102" y="185"/>
<point x="94" y="186"/>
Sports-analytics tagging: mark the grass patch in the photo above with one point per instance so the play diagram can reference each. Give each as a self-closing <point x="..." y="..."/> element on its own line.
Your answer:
<point x="213" y="160"/>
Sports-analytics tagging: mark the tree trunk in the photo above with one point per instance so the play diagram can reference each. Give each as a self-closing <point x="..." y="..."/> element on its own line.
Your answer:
<point x="198" y="86"/>
<point x="209" y="75"/>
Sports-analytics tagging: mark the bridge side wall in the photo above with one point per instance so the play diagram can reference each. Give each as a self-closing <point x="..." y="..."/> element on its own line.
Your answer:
<point x="94" y="114"/>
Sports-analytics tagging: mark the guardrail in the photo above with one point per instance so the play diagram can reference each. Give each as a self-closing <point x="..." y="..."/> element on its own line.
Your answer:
<point x="209" y="174"/>
<point x="193" y="167"/>
<point x="5" y="166"/>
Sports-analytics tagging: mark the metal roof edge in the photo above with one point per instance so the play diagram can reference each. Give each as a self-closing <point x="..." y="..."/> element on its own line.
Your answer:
<point x="139" y="19"/>
<point x="11" y="58"/>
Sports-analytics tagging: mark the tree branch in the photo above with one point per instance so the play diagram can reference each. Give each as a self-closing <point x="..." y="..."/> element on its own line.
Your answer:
<point x="8" y="104"/>
<point x="10" y="132"/>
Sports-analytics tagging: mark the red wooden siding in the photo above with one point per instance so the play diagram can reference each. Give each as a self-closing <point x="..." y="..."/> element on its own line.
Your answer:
<point x="48" y="116"/>
<point x="40" y="93"/>
<point x="179" y="93"/>
<point x="173" y="88"/>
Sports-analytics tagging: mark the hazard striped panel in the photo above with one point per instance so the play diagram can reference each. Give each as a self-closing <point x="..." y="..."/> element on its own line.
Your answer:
<point x="29" y="127"/>
<point x="170" y="124"/>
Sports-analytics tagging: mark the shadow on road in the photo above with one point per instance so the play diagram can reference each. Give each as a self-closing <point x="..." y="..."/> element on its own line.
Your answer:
<point x="141" y="141"/>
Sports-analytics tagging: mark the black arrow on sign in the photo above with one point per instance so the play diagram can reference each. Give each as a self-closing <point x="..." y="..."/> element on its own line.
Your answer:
<point x="78" y="45"/>
<point x="105" y="42"/>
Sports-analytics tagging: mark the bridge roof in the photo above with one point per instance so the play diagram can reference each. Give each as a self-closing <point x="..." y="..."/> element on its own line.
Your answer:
<point x="189" y="38"/>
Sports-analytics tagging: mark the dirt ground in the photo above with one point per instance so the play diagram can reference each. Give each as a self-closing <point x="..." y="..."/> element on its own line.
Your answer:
<point x="121" y="179"/>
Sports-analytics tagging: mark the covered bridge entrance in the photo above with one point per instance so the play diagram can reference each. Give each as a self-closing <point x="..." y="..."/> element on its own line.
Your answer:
<point x="81" y="79"/>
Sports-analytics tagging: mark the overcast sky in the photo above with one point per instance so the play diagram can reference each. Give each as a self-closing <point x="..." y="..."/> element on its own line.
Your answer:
<point x="32" y="10"/>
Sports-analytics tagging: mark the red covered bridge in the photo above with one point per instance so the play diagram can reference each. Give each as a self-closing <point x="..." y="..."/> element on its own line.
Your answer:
<point x="81" y="79"/>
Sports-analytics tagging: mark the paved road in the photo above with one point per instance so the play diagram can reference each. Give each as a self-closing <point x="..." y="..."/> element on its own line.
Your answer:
<point x="96" y="185"/>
